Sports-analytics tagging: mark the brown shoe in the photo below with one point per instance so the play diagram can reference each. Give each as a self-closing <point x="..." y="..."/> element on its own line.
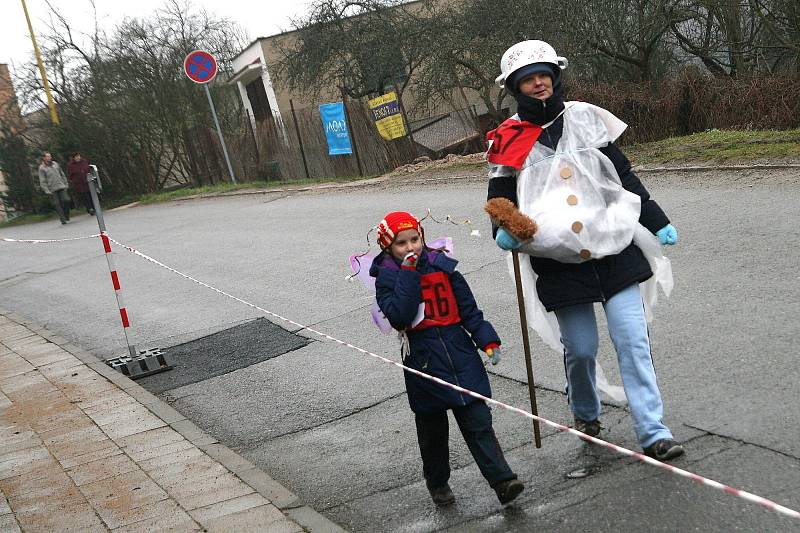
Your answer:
<point x="589" y="427"/>
<point x="664" y="450"/>
<point x="507" y="491"/>
<point x="442" y="496"/>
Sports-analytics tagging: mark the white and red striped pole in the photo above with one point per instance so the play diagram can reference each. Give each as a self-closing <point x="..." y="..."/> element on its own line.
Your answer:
<point x="92" y="178"/>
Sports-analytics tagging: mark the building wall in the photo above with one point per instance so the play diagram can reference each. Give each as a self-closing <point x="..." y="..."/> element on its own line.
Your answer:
<point x="266" y="51"/>
<point x="252" y="75"/>
<point x="9" y="116"/>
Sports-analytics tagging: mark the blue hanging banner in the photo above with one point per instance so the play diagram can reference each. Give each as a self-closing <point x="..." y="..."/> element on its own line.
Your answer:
<point x="333" y="120"/>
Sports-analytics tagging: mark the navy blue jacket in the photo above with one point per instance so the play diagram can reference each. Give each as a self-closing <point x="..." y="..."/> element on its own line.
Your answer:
<point x="564" y="284"/>
<point x="447" y="352"/>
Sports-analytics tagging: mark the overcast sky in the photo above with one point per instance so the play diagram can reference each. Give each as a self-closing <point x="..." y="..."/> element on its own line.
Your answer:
<point x="260" y="18"/>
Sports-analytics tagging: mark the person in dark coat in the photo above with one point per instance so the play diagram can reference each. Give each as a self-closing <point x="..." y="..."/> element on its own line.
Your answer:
<point x="77" y="170"/>
<point x="422" y="294"/>
<point x="531" y="73"/>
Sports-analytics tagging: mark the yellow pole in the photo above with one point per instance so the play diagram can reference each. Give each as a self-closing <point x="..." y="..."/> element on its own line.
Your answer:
<point x="50" y="103"/>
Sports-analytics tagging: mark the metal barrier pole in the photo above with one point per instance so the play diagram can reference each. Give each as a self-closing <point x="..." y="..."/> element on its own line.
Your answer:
<point x="93" y="179"/>
<point x="299" y="139"/>
<point x="352" y="133"/>
<point x="405" y="117"/>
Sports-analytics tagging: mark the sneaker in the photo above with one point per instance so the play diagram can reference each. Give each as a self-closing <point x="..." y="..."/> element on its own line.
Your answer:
<point x="442" y="496"/>
<point x="507" y="491"/>
<point x="591" y="428"/>
<point x="64" y="221"/>
<point x="664" y="450"/>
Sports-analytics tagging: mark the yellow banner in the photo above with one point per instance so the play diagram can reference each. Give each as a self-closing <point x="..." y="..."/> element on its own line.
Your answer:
<point x="388" y="119"/>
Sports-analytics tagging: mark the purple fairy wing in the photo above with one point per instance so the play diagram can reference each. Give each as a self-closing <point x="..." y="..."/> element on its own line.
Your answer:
<point x="360" y="265"/>
<point x="446" y="243"/>
<point x="379" y="319"/>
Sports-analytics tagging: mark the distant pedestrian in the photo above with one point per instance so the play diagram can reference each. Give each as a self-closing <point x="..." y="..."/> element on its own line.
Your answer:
<point x="54" y="183"/>
<point x="77" y="170"/>
<point x="422" y="295"/>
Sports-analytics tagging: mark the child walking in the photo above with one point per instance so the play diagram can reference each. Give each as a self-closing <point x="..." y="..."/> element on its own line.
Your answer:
<point x="421" y="293"/>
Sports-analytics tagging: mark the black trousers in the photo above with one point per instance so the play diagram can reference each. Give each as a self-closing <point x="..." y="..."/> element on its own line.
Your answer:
<point x="86" y="200"/>
<point x="475" y="423"/>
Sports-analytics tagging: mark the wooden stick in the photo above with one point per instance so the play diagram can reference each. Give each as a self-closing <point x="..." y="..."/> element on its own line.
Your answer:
<point x="523" y="321"/>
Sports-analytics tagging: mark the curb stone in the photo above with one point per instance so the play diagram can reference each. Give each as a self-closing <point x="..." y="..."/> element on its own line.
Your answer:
<point x="386" y="179"/>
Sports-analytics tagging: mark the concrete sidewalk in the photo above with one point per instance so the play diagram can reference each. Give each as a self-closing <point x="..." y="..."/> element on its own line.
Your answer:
<point x="83" y="448"/>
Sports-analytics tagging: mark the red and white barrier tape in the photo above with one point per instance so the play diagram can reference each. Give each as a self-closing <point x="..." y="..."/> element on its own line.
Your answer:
<point x="768" y="504"/>
<point x="109" y="254"/>
<point x="763" y="502"/>
<point x="48" y="241"/>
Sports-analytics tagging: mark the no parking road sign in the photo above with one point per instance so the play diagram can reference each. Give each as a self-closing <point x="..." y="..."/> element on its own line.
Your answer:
<point x="200" y="66"/>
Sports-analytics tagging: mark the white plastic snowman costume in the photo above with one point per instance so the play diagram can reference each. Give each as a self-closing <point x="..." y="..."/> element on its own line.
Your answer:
<point x="576" y="198"/>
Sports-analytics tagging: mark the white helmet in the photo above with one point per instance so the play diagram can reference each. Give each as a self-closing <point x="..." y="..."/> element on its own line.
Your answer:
<point x="527" y="53"/>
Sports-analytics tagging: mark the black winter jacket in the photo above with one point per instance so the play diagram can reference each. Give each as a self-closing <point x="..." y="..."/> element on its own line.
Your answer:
<point x="448" y="352"/>
<point x="564" y="284"/>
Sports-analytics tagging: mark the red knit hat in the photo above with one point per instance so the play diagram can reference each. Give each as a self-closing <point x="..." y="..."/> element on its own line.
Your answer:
<point x="392" y="224"/>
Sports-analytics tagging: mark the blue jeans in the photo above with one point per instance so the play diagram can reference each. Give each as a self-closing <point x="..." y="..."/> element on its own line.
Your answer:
<point x="628" y="330"/>
<point x="475" y="422"/>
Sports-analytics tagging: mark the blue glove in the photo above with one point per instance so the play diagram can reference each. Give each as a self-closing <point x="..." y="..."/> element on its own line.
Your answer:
<point x="494" y="355"/>
<point x="668" y="234"/>
<point x="505" y="240"/>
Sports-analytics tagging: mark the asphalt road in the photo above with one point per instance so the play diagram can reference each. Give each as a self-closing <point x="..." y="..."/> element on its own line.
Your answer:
<point x="334" y="425"/>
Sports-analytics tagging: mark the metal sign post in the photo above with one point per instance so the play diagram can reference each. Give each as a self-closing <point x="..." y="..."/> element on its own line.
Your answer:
<point x="201" y="67"/>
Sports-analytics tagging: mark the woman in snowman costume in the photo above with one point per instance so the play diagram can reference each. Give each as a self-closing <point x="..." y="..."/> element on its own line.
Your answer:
<point x="597" y="239"/>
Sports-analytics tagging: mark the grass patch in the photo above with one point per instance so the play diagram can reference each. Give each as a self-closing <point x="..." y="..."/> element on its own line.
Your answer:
<point x="27" y="219"/>
<point x="221" y="188"/>
<point x="719" y="146"/>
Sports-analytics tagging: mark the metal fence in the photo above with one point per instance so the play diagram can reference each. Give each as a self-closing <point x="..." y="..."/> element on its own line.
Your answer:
<point x="295" y="148"/>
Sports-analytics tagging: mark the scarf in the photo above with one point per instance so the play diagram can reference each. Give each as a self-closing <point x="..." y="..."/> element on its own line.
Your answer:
<point x="537" y="111"/>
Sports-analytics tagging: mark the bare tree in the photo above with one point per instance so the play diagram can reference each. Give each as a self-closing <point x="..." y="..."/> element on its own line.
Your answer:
<point x="781" y="20"/>
<point x="722" y="34"/>
<point x="623" y="39"/>
<point x="123" y="98"/>
<point x="359" y="47"/>
<point x="465" y="45"/>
